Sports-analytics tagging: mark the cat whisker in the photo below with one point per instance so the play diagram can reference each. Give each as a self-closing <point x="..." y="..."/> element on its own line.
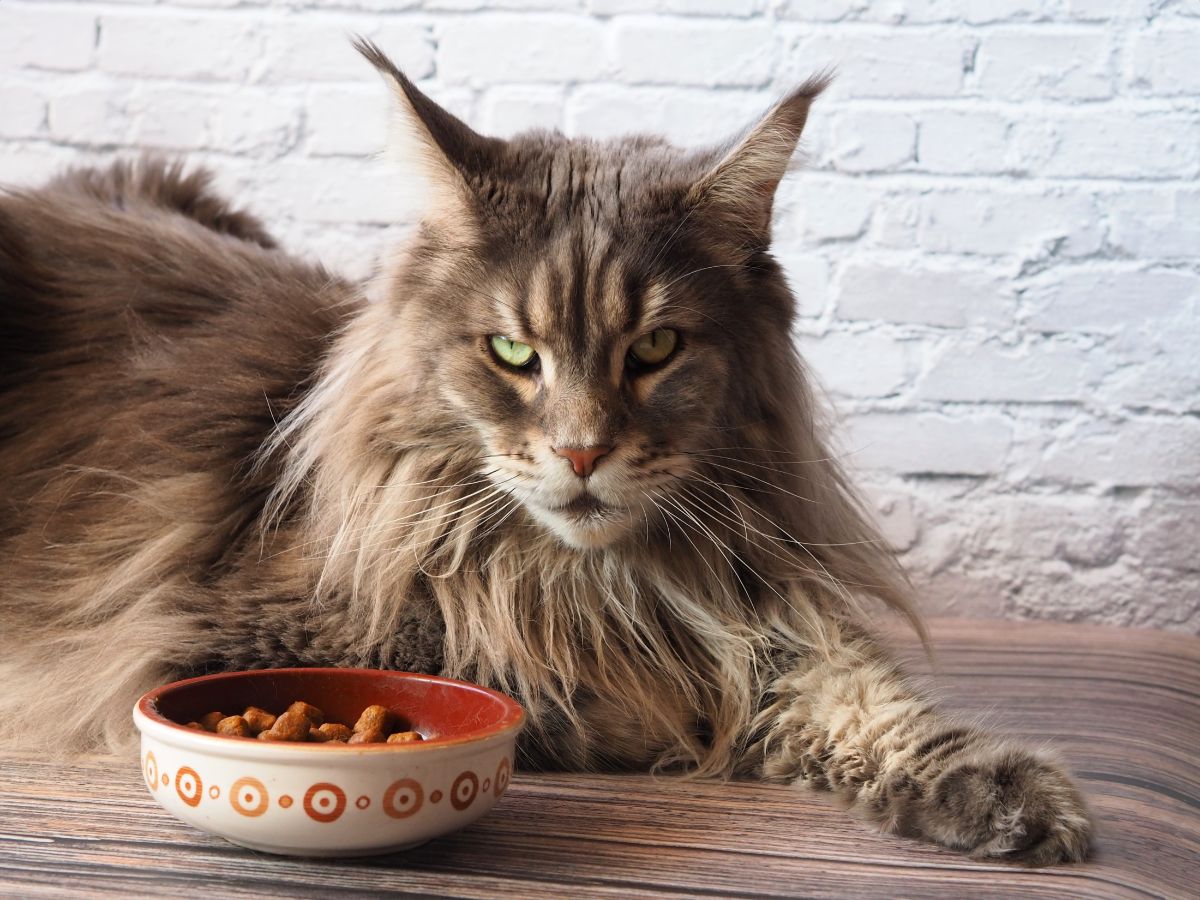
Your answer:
<point x="838" y="585"/>
<point x="724" y="549"/>
<point x="794" y="462"/>
<point x="774" y="487"/>
<point x="679" y="278"/>
<point x="404" y="521"/>
<point x="696" y="454"/>
<point x="766" y="582"/>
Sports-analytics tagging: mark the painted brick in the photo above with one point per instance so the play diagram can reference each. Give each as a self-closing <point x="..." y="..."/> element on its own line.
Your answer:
<point x="879" y="65"/>
<point x="172" y="45"/>
<point x="873" y="141"/>
<point x="928" y="443"/>
<point x="949" y="297"/>
<point x="812" y="210"/>
<point x="346" y="120"/>
<point x="1072" y="529"/>
<point x="1155" y="224"/>
<point x="1034" y="372"/>
<point x="690" y="117"/>
<point x="1123" y="145"/>
<point x="46" y="37"/>
<point x="24" y="111"/>
<point x="863" y="364"/>
<point x="1035" y="63"/>
<point x="1143" y="451"/>
<point x="661" y="51"/>
<point x="1158" y="363"/>
<point x="808" y="276"/>
<point x="1163" y="61"/>
<point x="1094" y="299"/>
<point x="963" y="142"/>
<point x="509" y="109"/>
<point x="488" y="49"/>
<point x="1003" y="223"/>
<point x="304" y="50"/>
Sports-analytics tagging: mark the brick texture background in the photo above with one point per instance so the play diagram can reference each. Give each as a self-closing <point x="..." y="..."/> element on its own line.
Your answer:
<point x="996" y="243"/>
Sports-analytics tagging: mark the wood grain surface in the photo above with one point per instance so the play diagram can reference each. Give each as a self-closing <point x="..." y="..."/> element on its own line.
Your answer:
<point x="1121" y="707"/>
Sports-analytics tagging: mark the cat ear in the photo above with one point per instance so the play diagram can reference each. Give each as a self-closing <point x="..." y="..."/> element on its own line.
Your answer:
<point x="451" y="156"/>
<point x="738" y="190"/>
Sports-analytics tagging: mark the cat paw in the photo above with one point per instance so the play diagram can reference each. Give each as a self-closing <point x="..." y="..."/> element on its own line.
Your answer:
<point x="1010" y="805"/>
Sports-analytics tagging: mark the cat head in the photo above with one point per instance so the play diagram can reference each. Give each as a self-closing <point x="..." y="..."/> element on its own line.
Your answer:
<point x="603" y="319"/>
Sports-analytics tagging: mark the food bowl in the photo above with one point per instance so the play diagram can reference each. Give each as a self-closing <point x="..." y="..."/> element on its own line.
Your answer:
<point x="329" y="799"/>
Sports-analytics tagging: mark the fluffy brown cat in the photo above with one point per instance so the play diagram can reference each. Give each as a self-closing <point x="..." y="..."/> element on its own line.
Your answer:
<point x="569" y="452"/>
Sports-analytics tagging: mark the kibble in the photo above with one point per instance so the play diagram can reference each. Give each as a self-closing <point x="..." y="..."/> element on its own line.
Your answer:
<point x="293" y="725"/>
<point x="234" y="725"/>
<point x="334" y="731"/>
<point x="403" y="737"/>
<point x="209" y="721"/>
<point x="304" y="723"/>
<point x="259" y="720"/>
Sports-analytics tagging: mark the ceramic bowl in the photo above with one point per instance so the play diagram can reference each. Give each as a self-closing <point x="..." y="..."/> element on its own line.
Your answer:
<point x="329" y="799"/>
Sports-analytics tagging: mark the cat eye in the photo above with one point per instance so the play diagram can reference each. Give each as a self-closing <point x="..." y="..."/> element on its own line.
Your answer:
<point x="512" y="353"/>
<point x="653" y="348"/>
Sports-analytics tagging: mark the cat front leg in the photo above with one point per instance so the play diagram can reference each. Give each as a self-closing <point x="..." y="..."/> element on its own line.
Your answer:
<point x="845" y="719"/>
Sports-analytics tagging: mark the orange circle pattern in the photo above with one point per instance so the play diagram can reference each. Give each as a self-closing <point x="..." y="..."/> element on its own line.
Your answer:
<point x="464" y="789"/>
<point x="249" y="797"/>
<point x="325" y="802"/>
<point x="403" y="798"/>
<point x="151" y="771"/>
<point x="503" y="773"/>
<point x="188" y="786"/>
<point x="311" y="798"/>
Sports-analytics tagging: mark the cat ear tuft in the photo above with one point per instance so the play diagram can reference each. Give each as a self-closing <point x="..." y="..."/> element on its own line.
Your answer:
<point x="739" y="189"/>
<point x="451" y="155"/>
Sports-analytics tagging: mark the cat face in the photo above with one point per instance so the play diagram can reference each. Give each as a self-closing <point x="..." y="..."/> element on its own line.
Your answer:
<point x="590" y="372"/>
<point x="599" y="316"/>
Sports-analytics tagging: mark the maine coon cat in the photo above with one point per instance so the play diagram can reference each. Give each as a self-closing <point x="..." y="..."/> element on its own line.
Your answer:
<point x="568" y="451"/>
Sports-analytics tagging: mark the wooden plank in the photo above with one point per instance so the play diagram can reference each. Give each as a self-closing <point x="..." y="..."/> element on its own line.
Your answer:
<point x="1120" y="706"/>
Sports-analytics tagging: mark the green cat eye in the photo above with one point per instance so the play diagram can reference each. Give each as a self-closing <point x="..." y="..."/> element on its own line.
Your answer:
<point x="512" y="353"/>
<point x="655" y="347"/>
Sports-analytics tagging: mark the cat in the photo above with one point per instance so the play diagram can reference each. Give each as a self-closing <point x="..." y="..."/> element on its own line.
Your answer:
<point x="567" y="448"/>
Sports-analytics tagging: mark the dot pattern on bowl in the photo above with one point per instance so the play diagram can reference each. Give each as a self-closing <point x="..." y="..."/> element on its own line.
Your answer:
<point x="324" y="801"/>
<point x="503" y="774"/>
<point x="464" y="789"/>
<point x="188" y="786"/>
<point x="249" y="797"/>
<point x="403" y="798"/>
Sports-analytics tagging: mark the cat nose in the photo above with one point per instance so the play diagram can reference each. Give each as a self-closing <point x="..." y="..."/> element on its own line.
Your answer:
<point x="583" y="459"/>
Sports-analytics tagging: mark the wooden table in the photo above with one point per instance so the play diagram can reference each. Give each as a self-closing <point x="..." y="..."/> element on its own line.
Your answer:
<point x="1122" y="707"/>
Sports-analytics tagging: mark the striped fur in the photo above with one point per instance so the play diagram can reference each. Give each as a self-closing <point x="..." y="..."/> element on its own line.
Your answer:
<point x="214" y="456"/>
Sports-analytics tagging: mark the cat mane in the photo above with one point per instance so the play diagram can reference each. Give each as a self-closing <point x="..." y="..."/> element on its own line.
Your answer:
<point x="660" y="624"/>
<point x="253" y="461"/>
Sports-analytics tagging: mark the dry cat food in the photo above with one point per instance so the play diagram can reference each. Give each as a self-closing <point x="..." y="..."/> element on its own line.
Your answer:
<point x="303" y="722"/>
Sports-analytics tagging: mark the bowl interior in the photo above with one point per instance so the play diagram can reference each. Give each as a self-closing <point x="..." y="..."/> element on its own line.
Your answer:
<point x="439" y="708"/>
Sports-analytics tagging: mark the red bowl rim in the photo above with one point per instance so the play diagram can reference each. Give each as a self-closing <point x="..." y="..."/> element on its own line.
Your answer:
<point x="513" y="718"/>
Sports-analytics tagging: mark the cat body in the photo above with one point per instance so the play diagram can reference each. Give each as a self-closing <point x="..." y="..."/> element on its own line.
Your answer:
<point x="570" y="452"/>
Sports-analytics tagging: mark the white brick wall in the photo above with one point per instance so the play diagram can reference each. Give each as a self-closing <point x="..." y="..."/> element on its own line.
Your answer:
<point x="996" y="245"/>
